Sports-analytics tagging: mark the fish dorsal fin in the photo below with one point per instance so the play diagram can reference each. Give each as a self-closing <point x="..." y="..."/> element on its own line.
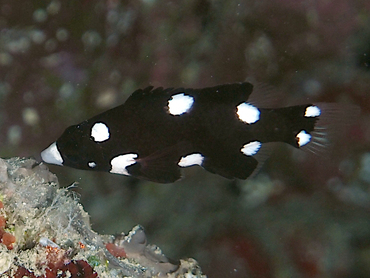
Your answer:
<point x="143" y="94"/>
<point x="266" y="96"/>
<point x="224" y="94"/>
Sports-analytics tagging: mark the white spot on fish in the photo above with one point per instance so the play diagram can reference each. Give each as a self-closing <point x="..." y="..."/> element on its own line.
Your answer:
<point x="303" y="138"/>
<point x="180" y="104"/>
<point x="119" y="163"/>
<point x="100" y="132"/>
<point x="312" y="111"/>
<point x="191" y="159"/>
<point x="92" y="164"/>
<point x="251" y="148"/>
<point x="52" y="155"/>
<point x="248" y="113"/>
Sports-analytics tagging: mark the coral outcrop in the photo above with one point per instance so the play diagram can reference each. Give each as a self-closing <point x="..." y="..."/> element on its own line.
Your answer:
<point x="45" y="232"/>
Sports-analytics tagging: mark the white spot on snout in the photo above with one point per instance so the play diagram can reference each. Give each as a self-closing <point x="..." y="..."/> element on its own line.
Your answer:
<point x="52" y="155"/>
<point x="303" y="138"/>
<point x="180" y="104"/>
<point x="100" y="132"/>
<point x="248" y="113"/>
<point x="312" y="111"/>
<point x="251" y="148"/>
<point x="92" y="164"/>
<point x="191" y="159"/>
<point x="119" y="163"/>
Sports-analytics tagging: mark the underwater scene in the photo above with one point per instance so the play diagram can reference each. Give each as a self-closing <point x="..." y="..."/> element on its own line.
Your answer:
<point x="138" y="138"/>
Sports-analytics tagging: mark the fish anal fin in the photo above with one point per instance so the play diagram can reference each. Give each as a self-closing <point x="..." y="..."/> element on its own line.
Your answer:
<point x="262" y="155"/>
<point x="235" y="165"/>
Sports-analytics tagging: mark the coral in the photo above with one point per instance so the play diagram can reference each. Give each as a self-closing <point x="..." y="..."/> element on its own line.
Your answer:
<point x="45" y="233"/>
<point x="5" y="238"/>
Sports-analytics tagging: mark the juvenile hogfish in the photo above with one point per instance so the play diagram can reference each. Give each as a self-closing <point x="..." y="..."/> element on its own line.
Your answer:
<point x="223" y="129"/>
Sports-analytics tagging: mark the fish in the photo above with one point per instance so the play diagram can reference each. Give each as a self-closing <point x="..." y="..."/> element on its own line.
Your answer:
<point x="226" y="129"/>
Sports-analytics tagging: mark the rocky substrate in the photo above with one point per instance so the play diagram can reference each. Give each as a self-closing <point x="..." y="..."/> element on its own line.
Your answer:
<point x="45" y="232"/>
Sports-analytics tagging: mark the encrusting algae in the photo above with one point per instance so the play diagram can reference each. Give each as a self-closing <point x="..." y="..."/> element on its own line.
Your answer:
<point x="44" y="232"/>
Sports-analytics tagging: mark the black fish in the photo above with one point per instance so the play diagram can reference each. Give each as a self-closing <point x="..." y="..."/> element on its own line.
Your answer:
<point x="223" y="129"/>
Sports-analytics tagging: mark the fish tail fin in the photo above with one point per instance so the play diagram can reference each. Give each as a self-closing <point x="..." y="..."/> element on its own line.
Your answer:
<point x="330" y="120"/>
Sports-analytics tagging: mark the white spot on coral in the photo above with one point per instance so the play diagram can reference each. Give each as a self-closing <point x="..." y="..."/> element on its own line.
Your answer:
<point x="92" y="164"/>
<point x="180" y="104"/>
<point x="248" y="113"/>
<point x="312" y="111"/>
<point x="119" y="163"/>
<point x="52" y="155"/>
<point x="251" y="148"/>
<point x="191" y="159"/>
<point x="44" y="241"/>
<point x="6" y="260"/>
<point x="303" y="138"/>
<point x="100" y="132"/>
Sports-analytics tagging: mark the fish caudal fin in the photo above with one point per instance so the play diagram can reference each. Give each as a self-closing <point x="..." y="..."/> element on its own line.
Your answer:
<point x="330" y="126"/>
<point x="313" y="128"/>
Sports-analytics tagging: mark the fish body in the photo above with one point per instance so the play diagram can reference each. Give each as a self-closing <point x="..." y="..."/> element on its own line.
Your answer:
<point x="156" y="132"/>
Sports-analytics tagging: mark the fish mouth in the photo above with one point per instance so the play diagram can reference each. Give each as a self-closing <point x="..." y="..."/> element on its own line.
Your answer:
<point x="52" y="155"/>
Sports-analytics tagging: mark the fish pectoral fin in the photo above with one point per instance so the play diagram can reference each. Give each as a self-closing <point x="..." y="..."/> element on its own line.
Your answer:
<point x="156" y="172"/>
<point x="160" y="166"/>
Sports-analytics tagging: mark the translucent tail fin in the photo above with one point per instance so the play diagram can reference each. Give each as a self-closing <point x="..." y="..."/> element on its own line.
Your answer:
<point x="332" y="122"/>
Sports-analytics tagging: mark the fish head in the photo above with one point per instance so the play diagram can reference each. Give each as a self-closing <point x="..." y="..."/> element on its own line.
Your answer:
<point x="79" y="147"/>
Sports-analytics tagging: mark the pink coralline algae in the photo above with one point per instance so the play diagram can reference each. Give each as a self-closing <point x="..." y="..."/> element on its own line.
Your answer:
<point x="115" y="250"/>
<point x="74" y="269"/>
<point x="5" y="238"/>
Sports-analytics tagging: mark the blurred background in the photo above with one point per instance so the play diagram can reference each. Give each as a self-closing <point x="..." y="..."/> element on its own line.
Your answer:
<point x="62" y="62"/>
